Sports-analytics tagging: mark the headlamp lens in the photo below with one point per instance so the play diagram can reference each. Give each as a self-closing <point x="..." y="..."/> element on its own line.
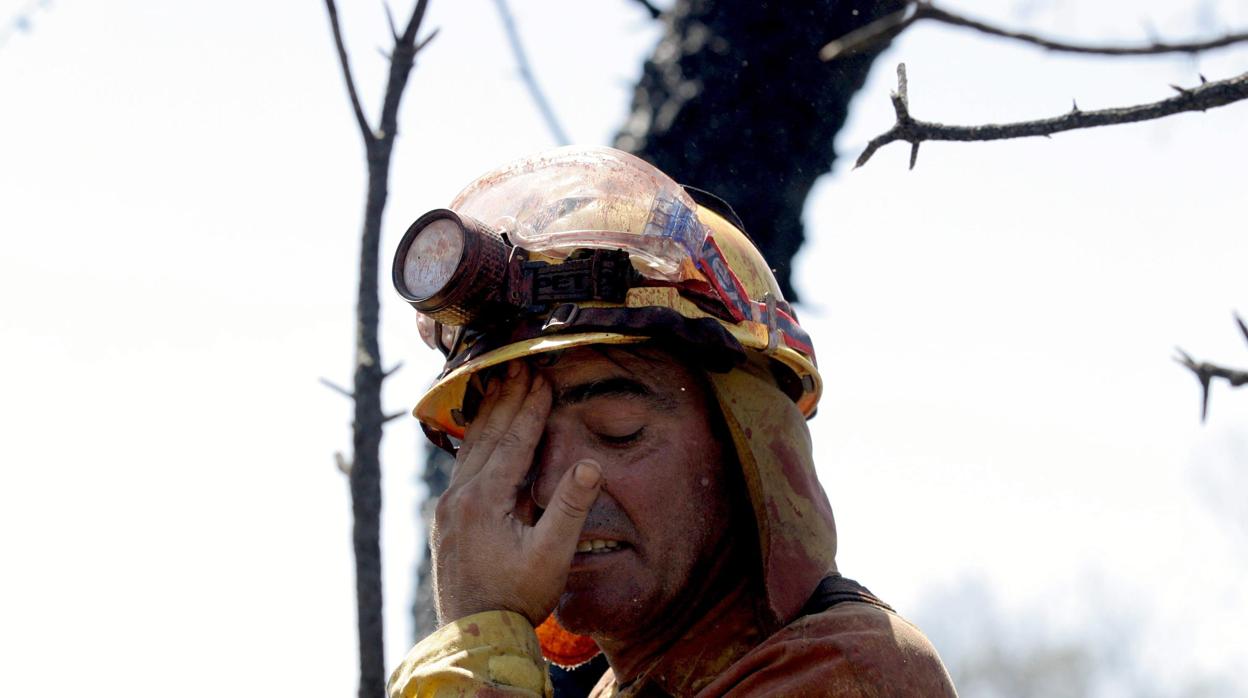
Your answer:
<point x="433" y="257"/>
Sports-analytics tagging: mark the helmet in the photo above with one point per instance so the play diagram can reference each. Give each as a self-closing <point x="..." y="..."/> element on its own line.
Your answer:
<point x="581" y="246"/>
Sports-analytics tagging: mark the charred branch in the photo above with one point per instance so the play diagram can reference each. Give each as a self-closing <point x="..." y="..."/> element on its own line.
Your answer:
<point x="1205" y="372"/>
<point x="1206" y="95"/>
<point x="888" y="27"/>
<point x="337" y="388"/>
<point x="393" y="370"/>
<point x="332" y="8"/>
<point x="363" y="468"/>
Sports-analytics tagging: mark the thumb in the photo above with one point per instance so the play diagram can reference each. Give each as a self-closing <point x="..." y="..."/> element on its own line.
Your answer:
<point x="561" y="523"/>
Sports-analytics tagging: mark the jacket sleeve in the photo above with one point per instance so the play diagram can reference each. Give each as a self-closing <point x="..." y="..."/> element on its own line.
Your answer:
<point x="495" y="653"/>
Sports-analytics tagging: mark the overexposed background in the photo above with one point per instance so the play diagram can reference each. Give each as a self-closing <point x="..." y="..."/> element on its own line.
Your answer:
<point x="1005" y="440"/>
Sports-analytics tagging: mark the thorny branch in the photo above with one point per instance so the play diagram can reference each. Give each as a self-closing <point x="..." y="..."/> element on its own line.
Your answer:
<point x="1207" y="95"/>
<point x="522" y="63"/>
<point x="1206" y="372"/>
<point x="888" y="27"/>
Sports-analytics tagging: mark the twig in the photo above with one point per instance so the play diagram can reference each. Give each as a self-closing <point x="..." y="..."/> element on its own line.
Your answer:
<point x="394" y="32"/>
<point x="513" y="36"/>
<point x="413" y="24"/>
<point x="888" y="27"/>
<point x="655" y="12"/>
<point x="1207" y="95"/>
<point x="392" y="417"/>
<point x="877" y="32"/>
<point x="332" y="8"/>
<point x="1206" y="372"/>
<point x="337" y="388"/>
<point x="420" y="45"/>
<point x="393" y="370"/>
<point x="402" y="58"/>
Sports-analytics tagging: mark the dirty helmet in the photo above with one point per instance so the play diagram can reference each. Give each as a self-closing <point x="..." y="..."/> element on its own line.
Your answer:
<point x="581" y="246"/>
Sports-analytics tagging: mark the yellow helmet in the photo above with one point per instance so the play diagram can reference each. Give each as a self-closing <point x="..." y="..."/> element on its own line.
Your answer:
<point x="581" y="246"/>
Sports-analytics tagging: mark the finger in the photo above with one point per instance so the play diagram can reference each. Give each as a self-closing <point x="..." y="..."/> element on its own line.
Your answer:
<point x="499" y="410"/>
<point x="556" y="532"/>
<point x="485" y="405"/>
<point x="512" y="457"/>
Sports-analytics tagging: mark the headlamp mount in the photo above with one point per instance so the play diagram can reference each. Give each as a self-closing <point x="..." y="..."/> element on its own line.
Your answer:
<point x="458" y="271"/>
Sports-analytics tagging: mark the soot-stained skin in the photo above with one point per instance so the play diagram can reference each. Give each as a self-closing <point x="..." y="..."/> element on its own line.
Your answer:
<point x="645" y="418"/>
<point x="508" y="527"/>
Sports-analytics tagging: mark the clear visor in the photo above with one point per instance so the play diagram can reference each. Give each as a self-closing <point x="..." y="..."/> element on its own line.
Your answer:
<point x="580" y="197"/>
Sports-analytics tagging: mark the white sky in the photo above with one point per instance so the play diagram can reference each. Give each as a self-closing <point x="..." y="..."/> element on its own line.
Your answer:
<point x="181" y="189"/>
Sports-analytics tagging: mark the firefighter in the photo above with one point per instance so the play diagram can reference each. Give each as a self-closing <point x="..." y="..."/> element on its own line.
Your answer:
<point x="626" y="394"/>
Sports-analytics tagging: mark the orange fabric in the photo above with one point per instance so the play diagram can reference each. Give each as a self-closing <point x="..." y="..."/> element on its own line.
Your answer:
<point x="853" y="650"/>
<point x="796" y="530"/>
<point x="563" y="647"/>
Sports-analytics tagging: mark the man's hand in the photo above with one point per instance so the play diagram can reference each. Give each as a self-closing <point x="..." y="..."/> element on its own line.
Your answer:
<point x="484" y="558"/>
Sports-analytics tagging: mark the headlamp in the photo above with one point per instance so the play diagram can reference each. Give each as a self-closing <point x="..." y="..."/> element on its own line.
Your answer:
<point x="449" y="266"/>
<point x="456" y="271"/>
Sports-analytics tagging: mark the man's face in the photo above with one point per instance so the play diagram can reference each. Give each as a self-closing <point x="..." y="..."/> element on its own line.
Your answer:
<point x="663" y="515"/>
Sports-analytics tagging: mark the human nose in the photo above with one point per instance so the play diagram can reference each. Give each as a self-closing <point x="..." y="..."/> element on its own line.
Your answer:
<point x="556" y="453"/>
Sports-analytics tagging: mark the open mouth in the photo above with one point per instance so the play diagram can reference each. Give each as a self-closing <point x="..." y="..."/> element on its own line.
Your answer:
<point x="597" y="546"/>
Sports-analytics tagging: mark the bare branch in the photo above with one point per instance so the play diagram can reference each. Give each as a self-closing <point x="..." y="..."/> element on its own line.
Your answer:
<point x="413" y="23"/>
<point x="1205" y="372"/>
<point x="360" y="119"/>
<point x="401" y="61"/>
<point x="364" y="468"/>
<point x="337" y="388"/>
<point x="880" y="31"/>
<point x="393" y="370"/>
<point x="394" y="32"/>
<point x="1204" y="96"/>
<point x="655" y="12"/>
<point x="391" y="417"/>
<point x="420" y="45"/>
<point x="1242" y="327"/>
<point x="888" y="27"/>
<point x="513" y="36"/>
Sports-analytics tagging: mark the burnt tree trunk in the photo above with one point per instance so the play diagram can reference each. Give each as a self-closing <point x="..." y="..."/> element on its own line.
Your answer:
<point x="364" y="467"/>
<point x="735" y="101"/>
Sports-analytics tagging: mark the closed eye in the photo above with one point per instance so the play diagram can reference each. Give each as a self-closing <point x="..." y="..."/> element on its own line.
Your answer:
<point x="623" y="440"/>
